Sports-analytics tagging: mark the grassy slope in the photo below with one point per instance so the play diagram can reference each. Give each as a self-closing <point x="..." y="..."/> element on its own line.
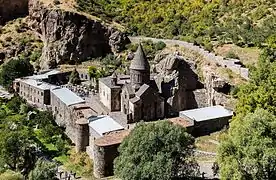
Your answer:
<point x="16" y="35"/>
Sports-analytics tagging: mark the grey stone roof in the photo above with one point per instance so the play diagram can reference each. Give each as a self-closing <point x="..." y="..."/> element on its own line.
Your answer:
<point x="129" y="89"/>
<point x="108" y="82"/>
<point x="142" y="90"/>
<point x="140" y="61"/>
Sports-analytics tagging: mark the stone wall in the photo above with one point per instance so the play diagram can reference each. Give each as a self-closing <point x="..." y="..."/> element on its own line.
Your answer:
<point x="35" y="95"/>
<point x="105" y="94"/>
<point x="103" y="159"/>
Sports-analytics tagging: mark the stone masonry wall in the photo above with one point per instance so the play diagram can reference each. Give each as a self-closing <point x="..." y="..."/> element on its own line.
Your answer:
<point x="103" y="160"/>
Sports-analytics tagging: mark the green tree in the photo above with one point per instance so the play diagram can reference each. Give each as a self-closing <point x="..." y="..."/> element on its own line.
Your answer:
<point x="43" y="118"/>
<point x="15" y="103"/>
<point x="75" y="78"/>
<point x="17" y="147"/>
<point x="94" y="72"/>
<point x="44" y="170"/>
<point x="156" y="151"/>
<point x="13" y="69"/>
<point x="260" y="91"/>
<point x="248" y="150"/>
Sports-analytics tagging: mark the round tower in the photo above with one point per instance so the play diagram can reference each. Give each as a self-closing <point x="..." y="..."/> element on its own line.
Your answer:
<point x="82" y="135"/>
<point x="139" y="69"/>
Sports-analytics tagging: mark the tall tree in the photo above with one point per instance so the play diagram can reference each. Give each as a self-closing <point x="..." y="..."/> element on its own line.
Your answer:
<point x="75" y="78"/>
<point x="156" y="151"/>
<point x="248" y="150"/>
<point x="260" y="91"/>
<point x="13" y="69"/>
<point x="17" y="150"/>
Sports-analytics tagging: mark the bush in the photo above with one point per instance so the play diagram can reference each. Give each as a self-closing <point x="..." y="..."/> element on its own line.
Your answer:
<point x="15" y="104"/>
<point x="232" y="55"/>
<point x="56" y="2"/>
<point x="160" y="45"/>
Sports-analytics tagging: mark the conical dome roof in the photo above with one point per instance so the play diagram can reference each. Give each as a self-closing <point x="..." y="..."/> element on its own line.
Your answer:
<point x="140" y="61"/>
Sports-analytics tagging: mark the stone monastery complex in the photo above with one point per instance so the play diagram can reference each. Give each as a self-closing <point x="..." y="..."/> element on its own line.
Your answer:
<point x="98" y="122"/>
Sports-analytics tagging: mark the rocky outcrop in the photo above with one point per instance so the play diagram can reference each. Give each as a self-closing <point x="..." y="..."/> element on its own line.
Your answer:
<point x="217" y="89"/>
<point x="175" y="79"/>
<point x="11" y="9"/>
<point x="70" y="37"/>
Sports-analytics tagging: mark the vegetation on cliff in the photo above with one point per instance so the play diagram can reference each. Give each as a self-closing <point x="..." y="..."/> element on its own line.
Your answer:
<point x="17" y="40"/>
<point x="240" y="22"/>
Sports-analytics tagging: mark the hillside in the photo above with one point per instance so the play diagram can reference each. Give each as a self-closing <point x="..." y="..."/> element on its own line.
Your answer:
<point x="242" y="22"/>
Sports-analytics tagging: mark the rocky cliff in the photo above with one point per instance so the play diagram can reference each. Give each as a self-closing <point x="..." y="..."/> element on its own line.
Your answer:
<point x="175" y="80"/>
<point x="11" y="9"/>
<point x="70" y="37"/>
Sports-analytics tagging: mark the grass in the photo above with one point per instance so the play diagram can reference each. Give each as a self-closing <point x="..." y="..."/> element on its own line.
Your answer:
<point x="79" y="163"/>
<point x="207" y="143"/>
<point x="248" y="56"/>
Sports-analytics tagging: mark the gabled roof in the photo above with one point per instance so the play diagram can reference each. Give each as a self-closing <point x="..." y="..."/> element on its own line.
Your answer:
<point x="140" y="61"/>
<point x="142" y="90"/>
<point x="129" y="89"/>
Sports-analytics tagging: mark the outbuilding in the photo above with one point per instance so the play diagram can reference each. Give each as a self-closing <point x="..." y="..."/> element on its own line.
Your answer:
<point x="207" y="120"/>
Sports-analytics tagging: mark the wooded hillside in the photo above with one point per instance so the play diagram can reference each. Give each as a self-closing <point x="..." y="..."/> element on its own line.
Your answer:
<point x="242" y="22"/>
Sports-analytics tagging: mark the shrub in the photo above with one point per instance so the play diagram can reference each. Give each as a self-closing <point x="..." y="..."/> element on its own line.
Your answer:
<point x="232" y="55"/>
<point x="160" y="45"/>
<point x="56" y="2"/>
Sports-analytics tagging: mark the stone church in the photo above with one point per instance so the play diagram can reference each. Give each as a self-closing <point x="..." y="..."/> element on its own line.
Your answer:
<point x="135" y="95"/>
<point x="145" y="96"/>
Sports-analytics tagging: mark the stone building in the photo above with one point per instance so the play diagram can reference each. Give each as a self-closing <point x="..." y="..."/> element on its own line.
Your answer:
<point x="134" y="95"/>
<point x="109" y="92"/>
<point x="61" y="100"/>
<point x="208" y="119"/>
<point x="35" y="92"/>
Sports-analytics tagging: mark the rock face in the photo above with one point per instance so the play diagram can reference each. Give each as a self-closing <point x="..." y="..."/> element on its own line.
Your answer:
<point x="11" y="9"/>
<point x="175" y="80"/>
<point x="70" y="37"/>
<point x="216" y="89"/>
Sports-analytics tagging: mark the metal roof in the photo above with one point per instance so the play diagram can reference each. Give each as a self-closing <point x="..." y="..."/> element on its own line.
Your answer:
<point x="44" y="75"/>
<point x="66" y="96"/>
<point x="140" y="61"/>
<point x="37" y="84"/>
<point x="207" y="113"/>
<point x="104" y="124"/>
